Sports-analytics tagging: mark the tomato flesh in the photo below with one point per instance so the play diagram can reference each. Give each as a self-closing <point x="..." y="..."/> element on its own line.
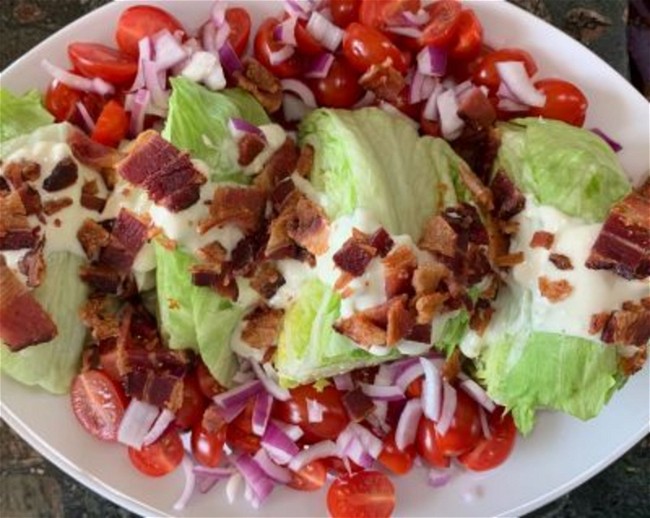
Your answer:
<point x="469" y="37"/>
<point x="207" y="445"/>
<point x="492" y="452"/>
<point x="309" y="478"/>
<point x="398" y="461"/>
<point x="427" y="447"/>
<point x="379" y="13"/>
<point x="344" y="12"/>
<point x="486" y="73"/>
<point x="564" y="102"/>
<point x="305" y="42"/>
<point x="97" y="60"/>
<point x="140" y="21"/>
<point x="112" y="125"/>
<point x="239" y="434"/>
<point x="364" y="46"/>
<point x="209" y="386"/>
<point x="194" y="403"/>
<point x="465" y="429"/>
<point x="443" y="18"/>
<point x="340" y="88"/>
<point x="239" y="22"/>
<point x="265" y="44"/>
<point x="161" y="457"/>
<point x="367" y="494"/>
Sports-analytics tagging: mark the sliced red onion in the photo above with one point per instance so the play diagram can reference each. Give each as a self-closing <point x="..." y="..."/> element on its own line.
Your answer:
<point x="409" y="375"/>
<point x="432" y="61"/>
<point x="277" y="473"/>
<point x="218" y="14"/>
<point x="449" y="400"/>
<point x="190" y="483"/>
<point x="356" y="452"/>
<point x="315" y="411"/>
<point x="367" y="100"/>
<point x="293" y="108"/>
<point x="431" y="390"/>
<point x="96" y="85"/>
<point x="514" y="74"/>
<point x="205" y="482"/>
<point x="255" y="477"/>
<point x="238" y="394"/>
<point x="409" y="32"/>
<point x="298" y="8"/>
<point x="208" y="37"/>
<point x="316" y="451"/>
<point x="136" y="422"/>
<point x="450" y="123"/>
<point x="145" y="53"/>
<point x="278" y="444"/>
<point x="160" y="425"/>
<point x="438" y="478"/>
<point x="430" y="111"/>
<point x="504" y="92"/>
<point x="370" y="441"/>
<point x="324" y="31"/>
<point x="463" y="87"/>
<point x="485" y="427"/>
<point x="240" y="127"/>
<point x="169" y="51"/>
<point x="478" y="394"/>
<point x="88" y="120"/>
<point x="301" y="90"/>
<point x="616" y="147"/>
<point x="222" y="35"/>
<point x="415" y="88"/>
<point x="411" y="348"/>
<point x="285" y="32"/>
<point x="279" y="393"/>
<point x="158" y="96"/>
<point x="213" y="472"/>
<point x="243" y="377"/>
<point x="383" y="393"/>
<point x="344" y="381"/>
<point x="229" y="59"/>
<point x="407" y="426"/>
<point x="320" y="66"/>
<point x="280" y="56"/>
<point x="233" y="487"/>
<point x="415" y="19"/>
<point x="293" y="431"/>
<point x="395" y="369"/>
<point x="261" y="413"/>
<point x="231" y="412"/>
<point x="508" y="105"/>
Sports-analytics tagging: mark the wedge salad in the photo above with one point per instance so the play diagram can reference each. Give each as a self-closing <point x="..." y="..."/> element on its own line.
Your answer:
<point x="371" y="243"/>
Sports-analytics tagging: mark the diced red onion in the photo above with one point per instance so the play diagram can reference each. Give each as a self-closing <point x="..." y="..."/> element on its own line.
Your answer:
<point x="344" y="381"/>
<point x="514" y="74"/>
<point x="383" y="393"/>
<point x="190" y="483"/>
<point x="432" y="61"/>
<point x="293" y="108"/>
<point x="229" y="59"/>
<point x="169" y="51"/>
<point x="324" y="31"/>
<point x="316" y="451"/>
<point x="280" y="56"/>
<point x="485" y="427"/>
<point x="301" y="90"/>
<point x="463" y="87"/>
<point x="315" y="411"/>
<point x="208" y="37"/>
<point x="96" y="85"/>
<point x="438" y="478"/>
<point x="213" y="472"/>
<point x="616" y="147"/>
<point x="233" y="487"/>
<point x="243" y="377"/>
<point x="231" y="412"/>
<point x="240" y="127"/>
<point x="450" y="123"/>
<point x="88" y="120"/>
<point x="238" y="394"/>
<point x="218" y="14"/>
<point x="300" y="9"/>
<point x="370" y="441"/>
<point x="412" y="348"/>
<point x="136" y="422"/>
<point x="205" y="482"/>
<point x="415" y="19"/>
<point x="277" y="473"/>
<point x="430" y="111"/>
<point x="320" y="66"/>
<point x="431" y="390"/>
<point x="145" y="53"/>
<point x="409" y="32"/>
<point x="449" y="400"/>
<point x="367" y="100"/>
<point x="279" y="393"/>
<point x="293" y="431"/>
<point x="407" y="426"/>
<point x="278" y="444"/>
<point x="394" y="370"/>
<point x="409" y="375"/>
<point x="222" y="35"/>
<point x="504" y="92"/>
<point x="261" y="413"/>
<point x="415" y="88"/>
<point x="158" y="96"/>
<point x="285" y="32"/>
<point x="356" y="452"/>
<point x="255" y="477"/>
<point x="160" y="425"/>
<point x="508" y="105"/>
<point x="478" y="394"/>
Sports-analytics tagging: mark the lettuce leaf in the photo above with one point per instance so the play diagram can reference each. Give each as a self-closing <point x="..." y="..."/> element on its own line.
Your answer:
<point x="565" y="167"/>
<point x="21" y="115"/>
<point x="54" y="364"/>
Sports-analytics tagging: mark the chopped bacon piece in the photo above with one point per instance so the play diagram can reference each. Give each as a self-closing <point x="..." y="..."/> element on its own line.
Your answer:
<point x="279" y="166"/>
<point x="250" y="146"/>
<point x="542" y="239"/>
<point x="475" y="108"/>
<point x="629" y="327"/>
<point x="213" y="253"/>
<point x="479" y="191"/>
<point x="4" y="186"/>
<point x="428" y="305"/>
<point x="52" y="206"/>
<point x="32" y="265"/>
<point x="100" y="318"/>
<point x="93" y="154"/>
<point x="399" y="266"/>
<point x="218" y="278"/>
<point x="63" y="175"/>
<point x="481" y="316"/>
<point x="92" y="237"/>
<point x="262" y="327"/>
<point x="103" y="279"/>
<point x="357" y="405"/>
<point x="282" y="194"/>
<point x="427" y="277"/>
<point x="31" y="199"/>
<point x="13" y="215"/>
<point x="561" y="261"/>
<point x="382" y="242"/>
<point x="555" y="291"/>
<point x="378" y="315"/>
<point x="89" y="198"/>
<point x="384" y="81"/>
<point x="508" y="199"/>
<point x="22" y="171"/>
<point x="17" y="240"/>
<point x="420" y="333"/>
<point x="361" y="331"/>
<point x="509" y="228"/>
<point x="305" y="161"/>
<point x="128" y="236"/>
<point x="354" y="256"/>
<point x="267" y="280"/>
<point x="263" y="85"/>
<point x="310" y="229"/>
<point x="23" y="321"/>
<point x="478" y="147"/>
<point x="248" y="253"/>
<point x="439" y="237"/>
<point x="280" y="245"/>
<point x="623" y="244"/>
<point x="509" y="260"/>
<point x="238" y="205"/>
<point x="400" y="321"/>
<point x="598" y="321"/>
<point x="633" y="363"/>
<point x="452" y="366"/>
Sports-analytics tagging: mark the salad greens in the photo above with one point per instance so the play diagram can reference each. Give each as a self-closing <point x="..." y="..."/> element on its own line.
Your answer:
<point x="21" y="115"/>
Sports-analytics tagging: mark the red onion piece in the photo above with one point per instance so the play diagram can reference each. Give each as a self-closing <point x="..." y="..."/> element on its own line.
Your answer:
<point x="478" y="394"/>
<point x="450" y="123"/>
<point x="370" y="441"/>
<point x="409" y="32"/>
<point x="508" y="105"/>
<point x="316" y="451"/>
<point x="431" y="390"/>
<point x="96" y="85"/>
<point x="367" y="100"/>
<point x="407" y="426"/>
<point x="145" y="53"/>
<point x="285" y="32"/>
<point x="280" y="56"/>
<point x="158" y="96"/>
<point x="485" y="427"/>
<point x="438" y="478"/>
<point x="231" y="412"/>
<point x="190" y="483"/>
<point x="213" y="472"/>
<point x="218" y="14"/>
<point x="449" y="400"/>
<point x="222" y="35"/>
<point x="255" y="477"/>
<point x="293" y="108"/>
<point x="233" y="487"/>
<point x="383" y="393"/>
<point x="409" y="375"/>
<point x="293" y="431"/>
<point x="300" y="9"/>
<point x="616" y="147"/>
<point x="240" y="127"/>
<point x="277" y="473"/>
<point x="88" y="120"/>
<point x="136" y="422"/>
<point x="320" y="66"/>
<point x="169" y="51"/>
<point x="514" y="74"/>
<point x="393" y="371"/>
<point x="357" y="453"/>
<point x="208" y="36"/>
<point x="315" y="411"/>
<point x="415" y="19"/>
<point x="432" y="61"/>
<point x="430" y="111"/>
<point x="238" y="394"/>
<point x="138" y="110"/>
<point x="229" y="59"/>
<point x="301" y="90"/>
<point x="344" y="381"/>
<point x="261" y="413"/>
<point x="270" y="385"/>
<point x="159" y="426"/>
<point x="205" y="482"/>
<point x="324" y="31"/>
<point x="278" y="444"/>
<point x="415" y="89"/>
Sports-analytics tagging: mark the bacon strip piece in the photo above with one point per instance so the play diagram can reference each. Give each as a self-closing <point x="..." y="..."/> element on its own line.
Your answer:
<point x="249" y="146"/>
<point x="629" y="326"/>
<point x="399" y="265"/>
<point x="263" y="85"/>
<point x="23" y="321"/>
<point x="508" y="199"/>
<point x="15" y="232"/>
<point x="361" y="330"/>
<point x="623" y="245"/>
<point x="475" y="108"/>
<point x="542" y="239"/>
<point x="400" y="321"/>
<point x="310" y="228"/>
<point x="476" y="187"/>
<point x="32" y="265"/>
<point x="267" y="280"/>
<point x="279" y="166"/>
<point x="128" y="236"/>
<point x="555" y="291"/>
<point x="355" y="255"/>
<point x="238" y="205"/>
<point x="357" y="404"/>
<point x="93" y="237"/>
<point x="384" y="81"/>
<point x="262" y="327"/>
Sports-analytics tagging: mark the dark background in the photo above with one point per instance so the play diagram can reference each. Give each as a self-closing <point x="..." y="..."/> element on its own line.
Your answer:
<point x="32" y="486"/>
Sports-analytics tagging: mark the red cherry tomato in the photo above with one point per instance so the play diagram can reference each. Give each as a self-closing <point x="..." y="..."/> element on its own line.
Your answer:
<point x="265" y="44"/>
<point x="364" y="46"/>
<point x="340" y="89"/>
<point x="305" y="42"/>
<point x="442" y="26"/>
<point x="564" y="102"/>
<point x="194" y="403"/>
<point x="294" y="411"/>
<point x="469" y="37"/>
<point x="337" y="467"/>
<point x="209" y="386"/>
<point x="378" y="13"/>
<point x="207" y="445"/>
<point x="97" y="60"/>
<point x="112" y="125"/>
<point x="433" y="129"/>
<point x="426" y="446"/>
<point x="61" y="101"/>
<point x="414" y="389"/>
<point x="161" y="457"/>
<point x="344" y="12"/>
<point x="239" y="434"/>
<point x="398" y="461"/>
<point x="368" y="494"/>
<point x="98" y="404"/>
<point x="240" y="28"/>
<point x="465" y="430"/>
<point x="140" y="21"/>
<point x="310" y="478"/>
<point x="486" y="73"/>
<point x="490" y="453"/>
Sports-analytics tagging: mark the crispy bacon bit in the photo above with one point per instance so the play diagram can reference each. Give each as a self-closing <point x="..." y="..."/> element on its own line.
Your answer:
<point x="12" y="214"/>
<point x="262" y="327"/>
<point x="280" y="245"/>
<point x="475" y="108"/>
<point x="63" y="175"/>
<point x="354" y="256"/>
<point x="633" y="363"/>
<point x="478" y="147"/>
<point x="282" y="194"/>
<point x="357" y="405"/>
<point x="89" y="198"/>
<point x="382" y="242"/>
<point x="481" y="316"/>
<point x="250" y="146"/>
<point x="623" y="244"/>
<point x="509" y="228"/>
<point x="92" y="237"/>
<point x="509" y="260"/>
<point x="102" y="279"/>
<point x="542" y="239"/>
<point x="4" y="186"/>
<point x="279" y="166"/>
<point x="561" y="262"/>
<point x="439" y="237"/>
<point x="213" y="253"/>
<point x="22" y="171"/>
<point x="629" y="327"/>
<point x="18" y="240"/>
<point x="31" y="199"/>
<point x="428" y="305"/>
<point x="128" y="236"/>
<point x="218" y="278"/>
<point x="400" y="321"/>
<point x="399" y="266"/>
<point x="341" y="284"/>
<point x="267" y="280"/>
<point x="23" y="321"/>
<point x="598" y="321"/>
<point x="476" y="187"/>
<point x="508" y="199"/>
<point x="361" y="330"/>
<point x="384" y="81"/>
<point x="241" y="206"/>
<point x="420" y="333"/>
<point x="451" y="367"/>
<point x="55" y="205"/>
<point x="98" y="315"/>
<point x="427" y="277"/>
<point x="305" y="161"/>
<point x="93" y="154"/>
<point x="32" y="265"/>
<point x="263" y="85"/>
<point x="555" y="291"/>
<point x="310" y="229"/>
<point x="247" y="254"/>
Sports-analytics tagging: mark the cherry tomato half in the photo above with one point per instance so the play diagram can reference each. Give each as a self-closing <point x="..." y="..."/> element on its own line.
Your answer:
<point x="379" y="13"/>
<point x="239" y="434"/>
<point x="309" y="478"/>
<point x="161" y="457"/>
<point x="98" y="404"/>
<point x="427" y="447"/>
<point x="364" y="46"/>
<point x="398" y="461"/>
<point x="340" y="88"/>
<point x="465" y="430"/>
<point x="305" y="43"/>
<point x="443" y="18"/>
<point x="110" y="129"/>
<point x="207" y="445"/>
<point x="368" y="494"/>
<point x="490" y="453"/>
<point x="265" y="44"/>
<point x="140" y="21"/>
<point x="469" y="37"/>
<point x="97" y="60"/>
<point x="207" y="383"/>
<point x="61" y="101"/>
<point x="564" y="102"/>
<point x="344" y="12"/>
<point x="486" y="73"/>
<point x="240" y="28"/>
<point x="194" y="403"/>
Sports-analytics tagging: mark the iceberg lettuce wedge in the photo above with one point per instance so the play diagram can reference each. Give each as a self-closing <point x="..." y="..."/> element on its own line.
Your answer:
<point x="21" y="115"/>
